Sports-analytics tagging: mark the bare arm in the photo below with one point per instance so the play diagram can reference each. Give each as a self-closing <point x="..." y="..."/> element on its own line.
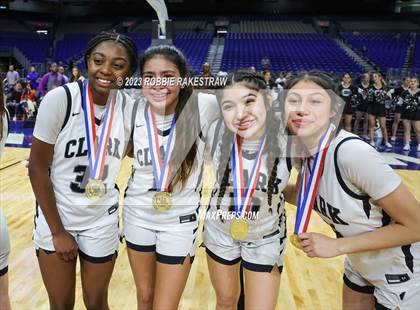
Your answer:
<point x="39" y="162"/>
<point x="400" y="205"/>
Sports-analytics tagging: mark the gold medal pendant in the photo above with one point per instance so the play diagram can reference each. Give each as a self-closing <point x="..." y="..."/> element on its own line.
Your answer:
<point x="162" y="201"/>
<point x="95" y="189"/>
<point x="239" y="229"/>
<point x="294" y="240"/>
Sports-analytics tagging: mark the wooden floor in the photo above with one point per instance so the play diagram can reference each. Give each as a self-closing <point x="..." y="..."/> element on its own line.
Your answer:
<point x="305" y="284"/>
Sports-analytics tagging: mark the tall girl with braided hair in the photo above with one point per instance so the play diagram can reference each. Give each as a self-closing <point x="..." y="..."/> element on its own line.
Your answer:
<point x="78" y="144"/>
<point x="246" y="220"/>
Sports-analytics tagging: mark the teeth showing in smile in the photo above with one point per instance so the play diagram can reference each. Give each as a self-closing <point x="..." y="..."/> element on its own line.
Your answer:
<point x="104" y="81"/>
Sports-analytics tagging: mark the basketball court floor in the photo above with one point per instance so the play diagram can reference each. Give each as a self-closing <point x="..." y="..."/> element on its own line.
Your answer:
<point x="305" y="283"/>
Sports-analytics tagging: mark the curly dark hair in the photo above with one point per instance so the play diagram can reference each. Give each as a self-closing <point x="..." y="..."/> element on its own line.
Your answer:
<point x="255" y="82"/>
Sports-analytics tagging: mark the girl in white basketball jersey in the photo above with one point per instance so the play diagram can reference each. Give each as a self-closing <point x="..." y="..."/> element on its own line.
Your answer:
<point x="162" y="200"/>
<point x="4" y="237"/>
<point x="375" y="217"/>
<point x="77" y="148"/>
<point x="246" y="220"/>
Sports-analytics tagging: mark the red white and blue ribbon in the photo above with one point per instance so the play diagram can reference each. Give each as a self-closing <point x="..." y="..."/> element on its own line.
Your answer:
<point x="160" y="169"/>
<point x="308" y="188"/>
<point x="243" y="195"/>
<point x="97" y="149"/>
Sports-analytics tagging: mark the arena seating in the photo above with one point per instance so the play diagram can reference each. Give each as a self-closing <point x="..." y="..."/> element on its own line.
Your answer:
<point x="34" y="46"/>
<point x="286" y="52"/>
<point x="416" y="56"/>
<point x="195" y="47"/>
<point x="387" y="50"/>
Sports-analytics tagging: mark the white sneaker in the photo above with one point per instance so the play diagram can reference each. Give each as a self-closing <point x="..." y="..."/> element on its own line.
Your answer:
<point x="388" y="145"/>
<point x="372" y="143"/>
<point x="406" y="147"/>
<point x="393" y="139"/>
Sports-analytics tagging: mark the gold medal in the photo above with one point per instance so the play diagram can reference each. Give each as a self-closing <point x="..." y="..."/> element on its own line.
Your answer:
<point x="162" y="201"/>
<point x="295" y="241"/>
<point x="95" y="189"/>
<point x="239" y="229"/>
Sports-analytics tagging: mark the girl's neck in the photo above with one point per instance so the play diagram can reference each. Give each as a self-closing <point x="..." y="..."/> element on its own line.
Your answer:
<point x="311" y="142"/>
<point x="346" y="85"/>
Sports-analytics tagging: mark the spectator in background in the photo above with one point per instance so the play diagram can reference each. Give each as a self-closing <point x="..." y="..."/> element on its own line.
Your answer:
<point x="12" y="77"/>
<point x="206" y="73"/>
<point x="13" y="101"/>
<point x="269" y="84"/>
<point x="33" y="77"/>
<point x="28" y="100"/>
<point x="61" y="71"/>
<point x="76" y="75"/>
<point x="51" y="80"/>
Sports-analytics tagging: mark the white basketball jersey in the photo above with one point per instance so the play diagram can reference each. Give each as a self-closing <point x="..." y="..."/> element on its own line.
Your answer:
<point x="69" y="171"/>
<point x="351" y="212"/>
<point x="265" y="219"/>
<point x="4" y="130"/>
<point x="183" y="214"/>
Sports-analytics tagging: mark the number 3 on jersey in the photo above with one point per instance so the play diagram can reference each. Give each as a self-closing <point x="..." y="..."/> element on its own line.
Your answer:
<point x="82" y="177"/>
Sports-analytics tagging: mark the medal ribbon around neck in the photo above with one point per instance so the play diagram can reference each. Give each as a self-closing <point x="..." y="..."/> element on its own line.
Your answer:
<point x="308" y="188"/>
<point x="160" y="169"/>
<point x="243" y="198"/>
<point x="97" y="149"/>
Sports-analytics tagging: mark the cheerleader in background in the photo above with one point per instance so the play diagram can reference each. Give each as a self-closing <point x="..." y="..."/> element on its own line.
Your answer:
<point x="410" y="100"/>
<point x="396" y="95"/>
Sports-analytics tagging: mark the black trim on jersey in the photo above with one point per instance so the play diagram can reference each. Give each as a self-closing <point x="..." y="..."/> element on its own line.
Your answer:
<point x="7" y="122"/>
<point x="408" y="257"/>
<point x="45" y="251"/>
<point x="97" y="260"/>
<point x="386" y="219"/>
<point x="172" y="260"/>
<point x="133" y="117"/>
<point x="68" y="106"/>
<point x="4" y="271"/>
<point x="222" y="260"/>
<point x="338" y="174"/>
<point x="368" y="289"/>
<point x="260" y="268"/>
<point x="140" y="248"/>
<point x="277" y="231"/>
<point x="289" y="163"/>
<point x="402" y="295"/>
<point x="216" y="135"/>
<point x="379" y="306"/>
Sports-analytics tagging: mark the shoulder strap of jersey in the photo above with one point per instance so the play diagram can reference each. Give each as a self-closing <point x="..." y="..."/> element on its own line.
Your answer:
<point x="216" y="136"/>
<point x="7" y="120"/>
<point x="69" y="101"/>
<point x="338" y="174"/>
<point x="133" y="116"/>
<point x="68" y="107"/>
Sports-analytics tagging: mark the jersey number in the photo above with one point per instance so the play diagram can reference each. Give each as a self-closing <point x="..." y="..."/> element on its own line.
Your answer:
<point x="79" y="184"/>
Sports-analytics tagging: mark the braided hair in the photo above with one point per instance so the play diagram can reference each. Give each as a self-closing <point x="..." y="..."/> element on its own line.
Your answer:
<point x="116" y="37"/>
<point x="186" y="131"/>
<point x="255" y="82"/>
